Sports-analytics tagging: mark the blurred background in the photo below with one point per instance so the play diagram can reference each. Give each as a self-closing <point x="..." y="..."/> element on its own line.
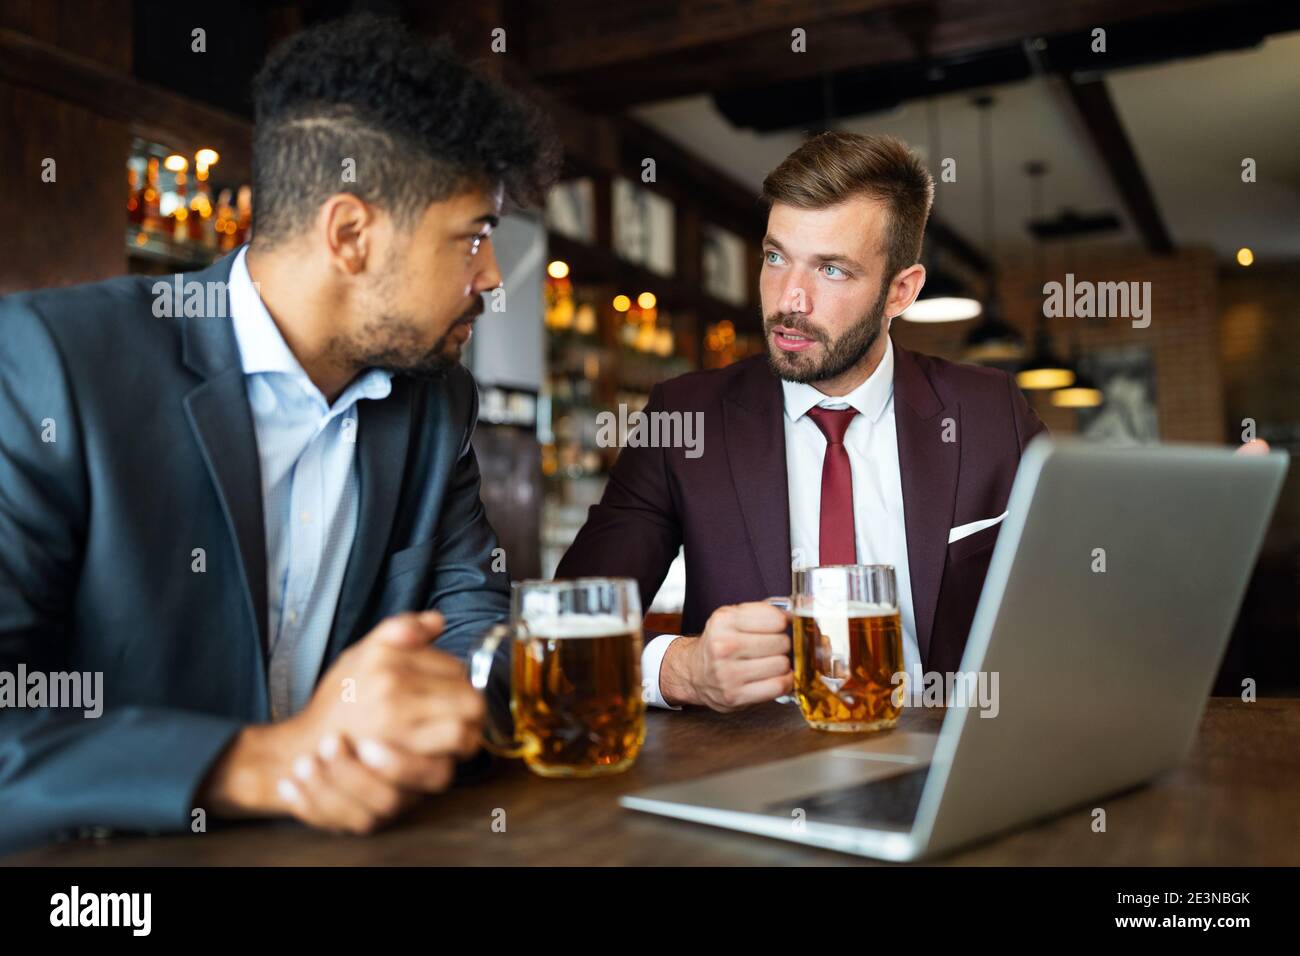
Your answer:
<point x="1103" y="141"/>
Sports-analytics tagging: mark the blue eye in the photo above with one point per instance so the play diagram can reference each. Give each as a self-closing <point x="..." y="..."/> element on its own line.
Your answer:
<point x="771" y="257"/>
<point x="836" y="268"/>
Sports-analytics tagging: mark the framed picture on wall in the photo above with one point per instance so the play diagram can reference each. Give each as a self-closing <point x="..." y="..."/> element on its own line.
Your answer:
<point x="643" y="227"/>
<point x="722" y="264"/>
<point x="1126" y="376"/>
<point x="571" y="209"/>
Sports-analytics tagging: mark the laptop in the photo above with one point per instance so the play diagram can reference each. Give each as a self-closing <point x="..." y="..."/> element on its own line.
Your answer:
<point x="1103" y="675"/>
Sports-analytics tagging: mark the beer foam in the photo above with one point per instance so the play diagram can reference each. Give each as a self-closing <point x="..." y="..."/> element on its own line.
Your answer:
<point x="578" y="625"/>
<point x="845" y="609"/>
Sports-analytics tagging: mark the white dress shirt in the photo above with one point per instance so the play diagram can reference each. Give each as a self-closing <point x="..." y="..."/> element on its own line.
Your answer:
<point x="879" y="529"/>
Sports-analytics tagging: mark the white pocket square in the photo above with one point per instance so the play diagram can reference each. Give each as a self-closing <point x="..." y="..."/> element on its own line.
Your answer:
<point x="964" y="530"/>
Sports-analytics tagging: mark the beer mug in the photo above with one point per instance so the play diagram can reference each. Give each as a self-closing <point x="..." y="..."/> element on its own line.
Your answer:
<point x="848" y="645"/>
<point x="575" y="677"/>
<point x="784" y="604"/>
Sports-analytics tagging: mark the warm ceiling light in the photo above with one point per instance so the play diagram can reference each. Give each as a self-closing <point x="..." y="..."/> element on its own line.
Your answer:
<point x="557" y="269"/>
<point x="946" y="308"/>
<point x="206" y="157"/>
<point x="992" y="340"/>
<point x="1032" y="379"/>
<point x="1082" y="393"/>
<point x="646" y="300"/>
<point x="1077" y="396"/>
<point x="942" y="299"/>
<point x="1244" y="256"/>
<point x="176" y="163"/>
<point x="994" y="352"/>
<point x="622" y="303"/>
<point x="1044" y="370"/>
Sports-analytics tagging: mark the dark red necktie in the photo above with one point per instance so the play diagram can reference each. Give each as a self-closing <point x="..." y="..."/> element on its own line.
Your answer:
<point x="837" y="544"/>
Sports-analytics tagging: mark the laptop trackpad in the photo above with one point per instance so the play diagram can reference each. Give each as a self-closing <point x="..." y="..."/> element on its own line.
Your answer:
<point x="755" y="789"/>
<point x="880" y="802"/>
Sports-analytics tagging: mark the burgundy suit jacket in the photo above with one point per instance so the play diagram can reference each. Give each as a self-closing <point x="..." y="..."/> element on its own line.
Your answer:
<point x="729" y="506"/>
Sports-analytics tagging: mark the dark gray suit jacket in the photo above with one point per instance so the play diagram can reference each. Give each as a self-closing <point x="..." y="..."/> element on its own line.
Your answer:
<point x="154" y="455"/>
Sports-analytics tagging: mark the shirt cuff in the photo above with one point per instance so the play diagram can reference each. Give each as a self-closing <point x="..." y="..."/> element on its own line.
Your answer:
<point x="651" y="658"/>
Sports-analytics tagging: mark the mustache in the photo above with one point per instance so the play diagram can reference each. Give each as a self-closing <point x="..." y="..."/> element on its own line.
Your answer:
<point x="795" y="323"/>
<point x="473" y="312"/>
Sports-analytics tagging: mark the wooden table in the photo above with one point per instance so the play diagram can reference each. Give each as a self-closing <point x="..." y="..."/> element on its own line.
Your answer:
<point x="1236" y="801"/>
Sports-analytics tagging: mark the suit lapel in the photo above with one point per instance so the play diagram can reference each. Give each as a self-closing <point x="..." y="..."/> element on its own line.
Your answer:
<point x="222" y="423"/>
<point x="383" y="437"/>
<point x="753" y="424"/>
<point x="928" y="467"/>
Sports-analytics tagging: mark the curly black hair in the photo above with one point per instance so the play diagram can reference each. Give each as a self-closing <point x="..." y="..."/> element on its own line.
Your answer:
<point x="416" y="124"/>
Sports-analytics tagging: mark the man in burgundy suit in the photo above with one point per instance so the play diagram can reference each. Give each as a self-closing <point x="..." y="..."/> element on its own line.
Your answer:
<point x="837" y="446"/>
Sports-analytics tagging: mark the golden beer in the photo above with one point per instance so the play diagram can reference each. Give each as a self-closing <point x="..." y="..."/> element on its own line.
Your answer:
<point x="576" y="696"/>
<point x="846" y="654"/>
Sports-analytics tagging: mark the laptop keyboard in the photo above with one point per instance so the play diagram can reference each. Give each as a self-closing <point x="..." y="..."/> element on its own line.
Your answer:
<point x="885" y="801"/>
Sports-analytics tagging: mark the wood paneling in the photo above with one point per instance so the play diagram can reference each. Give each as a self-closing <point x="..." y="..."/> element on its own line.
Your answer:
<point x="69" y="230"/>
<point x="148" y="110"/>
<point x="98" y="30"/>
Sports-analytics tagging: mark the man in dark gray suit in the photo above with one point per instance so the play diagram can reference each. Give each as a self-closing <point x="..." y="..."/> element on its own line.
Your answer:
<point x="239" y="508"/>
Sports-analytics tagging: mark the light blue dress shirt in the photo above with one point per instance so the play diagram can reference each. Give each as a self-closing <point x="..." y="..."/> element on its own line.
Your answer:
<point x="307" y="451"/>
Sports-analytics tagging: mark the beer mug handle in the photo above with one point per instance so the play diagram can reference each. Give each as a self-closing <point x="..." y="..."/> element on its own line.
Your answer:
<point x="785" y="604"/>
<point x="480" y="673"/>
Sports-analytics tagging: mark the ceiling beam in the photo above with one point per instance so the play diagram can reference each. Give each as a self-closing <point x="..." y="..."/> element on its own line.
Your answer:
<point x="581" y="35"/>
<point x="654" y="51"/>
<point x="1092" y="100"/>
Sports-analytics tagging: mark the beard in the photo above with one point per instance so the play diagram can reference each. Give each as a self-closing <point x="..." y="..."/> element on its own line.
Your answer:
<point x="389" y="343"/>
<point x="837" y="355"/>
<point x="396" y="341"/>
<point x="395" y="344"/>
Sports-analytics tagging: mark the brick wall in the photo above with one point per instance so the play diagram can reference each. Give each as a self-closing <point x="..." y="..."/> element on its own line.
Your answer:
<point x="1184" y="335"/>
<point x="1226" y="346"/>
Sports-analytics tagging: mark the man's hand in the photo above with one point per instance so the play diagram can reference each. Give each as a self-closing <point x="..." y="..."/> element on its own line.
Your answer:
<point x="1256" y="446"/>
<point x="741" y="658"/>
<point x="387" y="722"/>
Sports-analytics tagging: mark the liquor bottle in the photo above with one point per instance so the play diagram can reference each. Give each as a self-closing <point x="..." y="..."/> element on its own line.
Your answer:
<point x="196" y="226"/>
<point x="134" y="201"/>
<point x="180" y="231"/>
<point x="225" y="222"/>
<point x="200" y="218"/>
<point x="244" y="210"/>
<point x="202" y="222"/>
<point x="150" y="197"/>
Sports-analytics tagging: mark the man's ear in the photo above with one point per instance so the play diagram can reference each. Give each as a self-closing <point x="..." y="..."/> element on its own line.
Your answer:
<point x="347" y="224"/>
<point x="904" y="289"/>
